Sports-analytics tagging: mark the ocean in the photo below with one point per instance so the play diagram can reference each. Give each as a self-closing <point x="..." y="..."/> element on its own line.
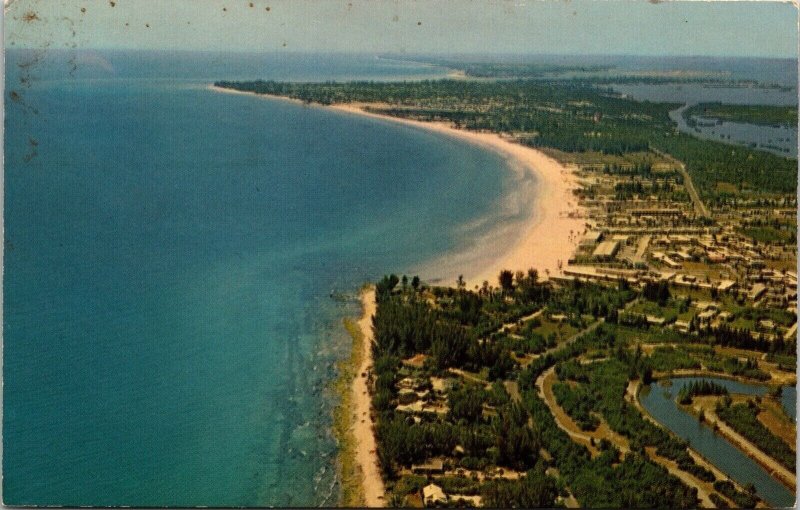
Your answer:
<point x="170" y="257"/>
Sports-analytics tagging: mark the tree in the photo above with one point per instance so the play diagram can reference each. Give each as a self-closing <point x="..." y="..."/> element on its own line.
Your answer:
<point x="385" y="287"/>
<point x="506" y="279"/>
<point x="415" y="283"/>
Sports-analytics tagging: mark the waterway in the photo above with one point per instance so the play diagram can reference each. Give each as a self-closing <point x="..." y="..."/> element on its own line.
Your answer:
<point x="659" y="401"/>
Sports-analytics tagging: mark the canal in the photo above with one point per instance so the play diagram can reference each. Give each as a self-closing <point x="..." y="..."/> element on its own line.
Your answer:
<point x="659" y="401"/>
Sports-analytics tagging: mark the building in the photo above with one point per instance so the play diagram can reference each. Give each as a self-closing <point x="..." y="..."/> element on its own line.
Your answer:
<point x="432" y="467"/>
<point x="591" y="238"/>
<point x="757" y="291"/>
<point x="433" y="494"/>
<point x="606" y="250"/>
<point x="682" y="325"/>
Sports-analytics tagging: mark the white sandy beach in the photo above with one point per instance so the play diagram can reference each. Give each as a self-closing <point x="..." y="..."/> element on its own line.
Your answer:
<point x="366" y="449"/>
<point x="550" y="235"/>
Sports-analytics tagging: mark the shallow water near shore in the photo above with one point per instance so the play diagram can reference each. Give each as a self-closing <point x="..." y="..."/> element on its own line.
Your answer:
<point x="170" y="258"/>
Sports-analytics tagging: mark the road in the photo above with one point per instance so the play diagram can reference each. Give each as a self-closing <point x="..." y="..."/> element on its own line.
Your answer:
<point x="699" y="206"/>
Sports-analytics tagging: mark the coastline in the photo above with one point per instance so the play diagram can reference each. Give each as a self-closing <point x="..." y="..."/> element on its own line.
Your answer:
<point x="366" y="452"/>
<point x="547" y="239"/>
<point x="549" y="234"/>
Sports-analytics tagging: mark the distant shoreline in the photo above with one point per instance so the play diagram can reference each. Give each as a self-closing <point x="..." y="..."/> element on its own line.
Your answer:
<point x="548" y="238"/>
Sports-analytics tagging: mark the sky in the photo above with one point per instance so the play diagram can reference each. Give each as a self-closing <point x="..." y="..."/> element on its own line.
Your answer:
<point x="631" y="27"/>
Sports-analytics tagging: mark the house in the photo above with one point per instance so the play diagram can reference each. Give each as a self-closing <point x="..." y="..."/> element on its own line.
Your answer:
<point x="432" y="467"/>
<point x="725" y="316"/>
<point x="703" y="306"/>
<point x="705" y="317"/>
<point x="682" y="326"/>
<point x="664" y="258"/>
<point x="432" y="495"/>
<point x="766" y="324"/>
<point x="417" y="361"/>
<point x="591" y="238"/>
<point x="757" y="291"/>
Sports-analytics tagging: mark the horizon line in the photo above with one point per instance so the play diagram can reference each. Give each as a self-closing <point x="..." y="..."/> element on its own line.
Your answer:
<point x="399" y="54"/>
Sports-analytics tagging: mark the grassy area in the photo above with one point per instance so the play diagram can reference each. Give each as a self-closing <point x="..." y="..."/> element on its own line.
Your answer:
<point x="669" y="312"/>
<point x="771" y="235"/>
<point x="742" y="418"/>
<point x="773" y="416"/>
<point x="352" y="493"/>
<point x="765" y="115"/>
<point x="562" y="330"/>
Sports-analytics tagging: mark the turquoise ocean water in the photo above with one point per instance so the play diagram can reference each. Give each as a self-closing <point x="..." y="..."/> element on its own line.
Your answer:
<point x="169" y="258"/>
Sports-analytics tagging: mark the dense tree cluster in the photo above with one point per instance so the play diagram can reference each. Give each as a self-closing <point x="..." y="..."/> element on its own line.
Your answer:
<point x="766" y="115"/>
<point x="658" y="292"/>
<point x="577" y="403"/>
<point x="701" y="387"/>
<point x="739" y="498"/>
<point x="535" y="490"/>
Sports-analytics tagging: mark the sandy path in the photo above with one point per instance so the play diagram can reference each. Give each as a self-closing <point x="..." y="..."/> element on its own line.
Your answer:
<point x="366" y="450"/>
<point x="545" y="384"/>
<point x="773" y="467"/>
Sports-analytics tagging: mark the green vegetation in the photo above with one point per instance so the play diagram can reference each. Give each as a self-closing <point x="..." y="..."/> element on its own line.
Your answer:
<point x="739" y="498"/>
<point x="770" y="234"/>
<point x="488" y="427"/>
<point x="743" y="419"/>
<point x="667" y="358"/>
<point x="752" y="114"/>
<point x="577" y="403"/>
<point x="604" y="481"/>
<point x="349" y="474"/>
<point x="535" y="490"/>
<point x="567" y="115"/>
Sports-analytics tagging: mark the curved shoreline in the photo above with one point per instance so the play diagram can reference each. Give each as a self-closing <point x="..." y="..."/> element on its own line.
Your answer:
<point x="556" y="217"/>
